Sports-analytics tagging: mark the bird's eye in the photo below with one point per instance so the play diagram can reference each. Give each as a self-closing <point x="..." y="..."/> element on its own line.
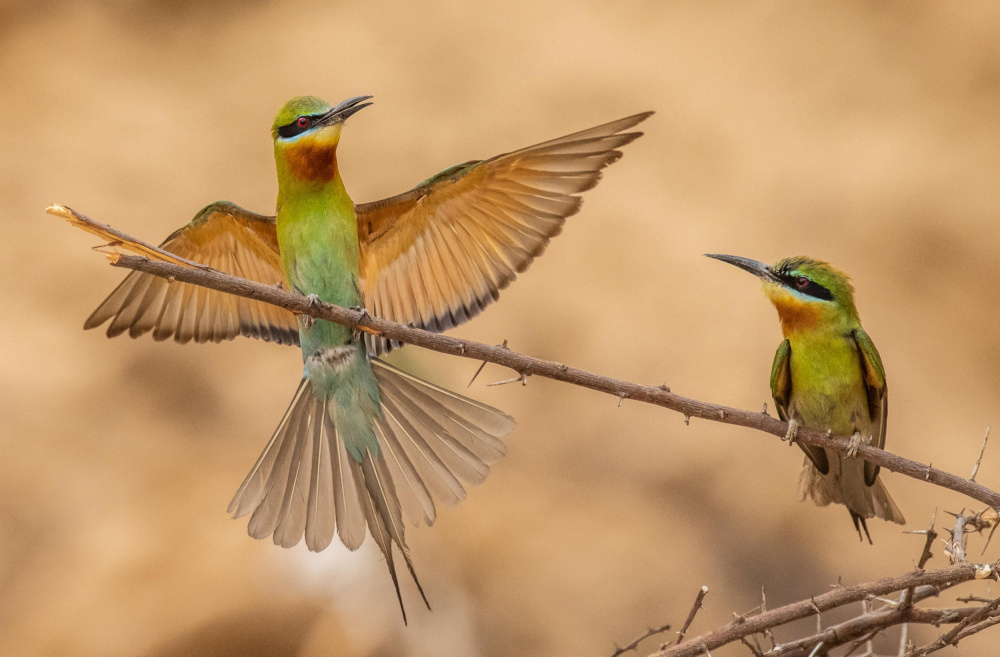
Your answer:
<point x="302" y="121"/>
<point x="801" y="282"/>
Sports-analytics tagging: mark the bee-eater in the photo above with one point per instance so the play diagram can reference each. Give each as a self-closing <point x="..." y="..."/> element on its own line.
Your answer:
<point x="363" y="444"/>
<point x="827" y="375"/>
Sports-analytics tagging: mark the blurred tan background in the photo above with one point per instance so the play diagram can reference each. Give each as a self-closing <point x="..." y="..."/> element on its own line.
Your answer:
<point x="864" y="133"/>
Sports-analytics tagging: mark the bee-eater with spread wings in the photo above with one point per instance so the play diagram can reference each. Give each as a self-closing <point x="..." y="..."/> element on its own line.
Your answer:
<point x="827" y="375"/>
<point x="364" y="445"/>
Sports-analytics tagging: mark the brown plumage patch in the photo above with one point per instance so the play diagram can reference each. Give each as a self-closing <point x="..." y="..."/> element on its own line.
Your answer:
<point x="313" y="160"/>
<point x="795" y="315"/>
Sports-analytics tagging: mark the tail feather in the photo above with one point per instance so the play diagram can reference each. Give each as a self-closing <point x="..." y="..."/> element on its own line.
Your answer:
<point x="859" y="524"/>
<point x="440" y="482"/>
<point x="253" y="489"/>
<point x="467" y="422"/>
<point x="844" y="484"/>
<point x="321" y="511"/>
<point x="459" y="459"/>
<point x="292" y="516"/>
<point x="377" y="528"/>
<point x="486" y="422"/>
<point x="885" y="507"/>
<point x="265" y="517"/>
<point x="349" y="494"/>
<point x="382" y="494"/>
<point x="431" y="443"/>
<point x="415" y="499"/>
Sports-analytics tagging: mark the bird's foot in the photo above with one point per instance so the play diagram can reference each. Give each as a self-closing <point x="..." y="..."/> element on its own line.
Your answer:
<point x="793" y="431"/>
<point x="308" y="320"/>
<point x="363" y="313"/>
<point x="854" y="444"/>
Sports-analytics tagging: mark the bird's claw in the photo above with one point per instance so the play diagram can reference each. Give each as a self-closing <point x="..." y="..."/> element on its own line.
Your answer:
<point x="308" y="320"/>
<point x="356" y="333"/>
<point x="854" y="444"/>
<point x="793" y="431"/>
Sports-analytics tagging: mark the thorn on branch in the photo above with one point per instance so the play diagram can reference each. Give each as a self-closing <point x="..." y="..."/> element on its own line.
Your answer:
<point x="622" y="396"/>
<point x="755" y="650"/>
<point x="906" y="600"/>
<point x="664" y="387"/>
<point x="522" y="377"/>
<point x="476" y="375"/>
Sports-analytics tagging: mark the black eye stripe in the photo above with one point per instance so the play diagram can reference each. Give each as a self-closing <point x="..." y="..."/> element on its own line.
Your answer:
<point x="813" y="288"/>
<point x="293" y="128"/>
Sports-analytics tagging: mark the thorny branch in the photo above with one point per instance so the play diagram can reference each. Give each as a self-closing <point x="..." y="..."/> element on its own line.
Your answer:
<point x="925" y="584"/>
<point x="524" y="366"/>
<point x="860" y="630"/>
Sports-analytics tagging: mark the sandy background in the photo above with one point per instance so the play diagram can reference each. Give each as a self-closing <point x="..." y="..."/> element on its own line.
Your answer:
<point x="863" y="133"/>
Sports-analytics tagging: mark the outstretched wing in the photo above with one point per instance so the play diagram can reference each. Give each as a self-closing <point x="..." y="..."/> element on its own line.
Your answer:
<point x="435" y="256"/>
<point x="223" y="236"/>
<point x="781" y="391"/>
<point x="878" y="395"/>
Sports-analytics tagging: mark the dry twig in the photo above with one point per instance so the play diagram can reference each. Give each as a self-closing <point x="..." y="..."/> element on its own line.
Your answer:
<point x="632" y="645"/>
<point x="982" y="450"/>
<point x="694" y="611"/>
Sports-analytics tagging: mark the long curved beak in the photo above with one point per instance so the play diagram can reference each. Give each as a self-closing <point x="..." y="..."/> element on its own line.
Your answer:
<point x="758" y="269"/>
<point x="346" y="109"/>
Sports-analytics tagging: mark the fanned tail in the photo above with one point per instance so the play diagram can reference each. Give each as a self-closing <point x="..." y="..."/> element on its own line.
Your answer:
<point x="844" y="485"/>
<point x="430" y="443"/>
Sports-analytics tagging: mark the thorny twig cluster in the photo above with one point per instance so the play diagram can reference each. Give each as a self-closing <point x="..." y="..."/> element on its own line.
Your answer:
<point x="880" y="609"/>
<point x="752" y="630"/>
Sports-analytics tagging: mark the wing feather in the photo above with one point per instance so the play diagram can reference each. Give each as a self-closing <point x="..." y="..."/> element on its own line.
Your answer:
<point x="437" y="255"/>
<point x="227" y="238"/>
<point x="878" y="396"/>
<point x="781" y="392"/>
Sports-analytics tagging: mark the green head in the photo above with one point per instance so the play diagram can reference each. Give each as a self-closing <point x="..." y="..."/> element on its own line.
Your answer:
<point x="808" y="294"/>
<point x="306" y="132"/>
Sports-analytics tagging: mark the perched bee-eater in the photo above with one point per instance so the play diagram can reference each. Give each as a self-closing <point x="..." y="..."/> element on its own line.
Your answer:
<point x="364" y="445"/>
<point x="827" y="375"/>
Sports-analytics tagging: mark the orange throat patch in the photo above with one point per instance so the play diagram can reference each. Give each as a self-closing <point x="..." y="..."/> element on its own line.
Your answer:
<point x="795" y="314"/>
<point x="313" y="160"/>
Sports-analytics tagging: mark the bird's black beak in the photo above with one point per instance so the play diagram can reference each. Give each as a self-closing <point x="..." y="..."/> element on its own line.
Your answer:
<point x="758" y="269"/>
<point x="346" y="109"/>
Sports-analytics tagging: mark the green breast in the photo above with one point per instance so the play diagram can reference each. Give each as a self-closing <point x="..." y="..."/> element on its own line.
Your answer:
<point x="827" y="383"/>
<point x="318" y="239"/>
